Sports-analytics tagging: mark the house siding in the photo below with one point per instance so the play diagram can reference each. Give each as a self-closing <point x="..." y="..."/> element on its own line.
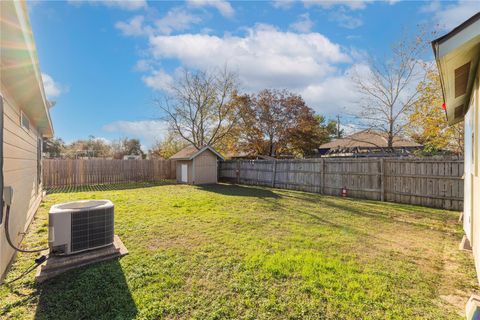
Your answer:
<point x="205" y="168"/>
<point x="471" y="219"/>
<point x="20" y="169"/>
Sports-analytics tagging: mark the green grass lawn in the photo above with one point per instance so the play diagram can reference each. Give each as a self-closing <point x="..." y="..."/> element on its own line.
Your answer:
<point x="243" y="252"/>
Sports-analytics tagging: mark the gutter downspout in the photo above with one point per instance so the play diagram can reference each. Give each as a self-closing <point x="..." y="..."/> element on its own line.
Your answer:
<point x="435" y="47"/>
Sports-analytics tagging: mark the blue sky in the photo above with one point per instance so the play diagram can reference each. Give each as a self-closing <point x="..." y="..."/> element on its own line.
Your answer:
<point x="104" y="62"/>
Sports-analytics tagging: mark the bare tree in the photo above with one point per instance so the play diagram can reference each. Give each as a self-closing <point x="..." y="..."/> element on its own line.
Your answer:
<point x="202" y="106"/>
<point x="388" y="88"/>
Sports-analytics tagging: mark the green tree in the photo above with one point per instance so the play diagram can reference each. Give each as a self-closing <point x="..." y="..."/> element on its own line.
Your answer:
<point x="54" y="147"/>
<point x="92" y="148"/>
<point x="306" y="137"/>
<point x="126" y="146"/>
<point x="168" y="146"/>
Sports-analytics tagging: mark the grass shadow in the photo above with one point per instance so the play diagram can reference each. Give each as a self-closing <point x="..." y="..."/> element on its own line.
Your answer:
<point x="384" y="215"/>
<point x="109" y="187"/>
<point x="238" y="190"/>
<point x="98" y="291"/>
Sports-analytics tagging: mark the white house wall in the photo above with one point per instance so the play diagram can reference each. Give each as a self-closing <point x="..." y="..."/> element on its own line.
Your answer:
<point x="468" y="177"/>
<point x="475" y="189"/>
<point x="20" y="172"/>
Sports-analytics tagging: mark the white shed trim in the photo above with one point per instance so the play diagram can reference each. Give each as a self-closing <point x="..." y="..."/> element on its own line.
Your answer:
<point x="196" y="154"/>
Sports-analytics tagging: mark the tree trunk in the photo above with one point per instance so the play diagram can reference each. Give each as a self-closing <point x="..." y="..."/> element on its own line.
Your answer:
<point x="390" y="130"/>
<point x="270" y="149"/>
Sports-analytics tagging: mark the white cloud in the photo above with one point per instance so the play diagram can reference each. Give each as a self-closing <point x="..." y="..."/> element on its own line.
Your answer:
<point x="304" y="24"/>
<point x="328" y="4"/>
<point x="283" y="4"/>
<point x="148" y="131"/>
<point x="159" y="80"/>
<point x="224" y="7"/>
<point x="264" y="57"/>
<point x="129" y="5"/>
<point x="143" y="65"/>
<point x="52" y="88"/>
<point x="177" y="19"/>
<point x="350" y="127"/>
<point x="134" y="27"/>
<point x="451" y="15"/>
<point x="431" y="6"/>
<point x="333" y="95"/>
<point x="345" y="20"/>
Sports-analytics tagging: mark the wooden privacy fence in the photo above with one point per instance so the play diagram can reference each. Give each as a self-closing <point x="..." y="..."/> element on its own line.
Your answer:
<point x="431" y="183"/>
<point x="61" y="173"/>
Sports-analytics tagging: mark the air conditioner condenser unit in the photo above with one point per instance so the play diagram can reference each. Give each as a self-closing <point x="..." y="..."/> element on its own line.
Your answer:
<point x="80" y="225"/>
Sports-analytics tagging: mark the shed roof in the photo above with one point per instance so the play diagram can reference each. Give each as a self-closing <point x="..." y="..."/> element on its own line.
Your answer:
<point x="368" y="139"/>
<point x="190" y="152"/>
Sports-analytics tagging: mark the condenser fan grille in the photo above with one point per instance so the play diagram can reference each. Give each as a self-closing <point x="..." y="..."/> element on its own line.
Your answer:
<point x="92" y="228"/>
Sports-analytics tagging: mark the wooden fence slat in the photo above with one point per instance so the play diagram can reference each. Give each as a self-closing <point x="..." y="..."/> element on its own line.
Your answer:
<point x="434" y="183"/>
<point x="429" y="182"/>
<point x="66" y="173"/>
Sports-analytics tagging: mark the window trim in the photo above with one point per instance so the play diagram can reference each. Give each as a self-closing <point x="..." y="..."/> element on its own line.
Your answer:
<point x="23" y="117"/>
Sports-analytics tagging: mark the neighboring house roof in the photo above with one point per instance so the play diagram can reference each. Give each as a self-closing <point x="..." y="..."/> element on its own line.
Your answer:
<point x="457" y="54"/>
<point x="20" y="74"/>
<point x="368" y="139"/>
<point x="239" y="155"/>
<point x="131" y="156"/>
<point x="191" y="152"/>
<point x="252" y="156"/>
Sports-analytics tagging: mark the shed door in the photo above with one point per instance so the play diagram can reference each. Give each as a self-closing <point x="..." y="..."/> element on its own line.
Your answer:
<point x="184" y="177"/>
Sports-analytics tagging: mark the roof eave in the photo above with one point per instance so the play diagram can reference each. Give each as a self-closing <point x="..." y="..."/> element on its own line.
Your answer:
<point x="196" y="154"/>
<point x="22" y="69"/>
<point x="204" y="149"/>
<point x="452" y="51"/>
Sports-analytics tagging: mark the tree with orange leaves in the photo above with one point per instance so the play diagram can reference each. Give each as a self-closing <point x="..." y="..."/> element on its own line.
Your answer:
<point x="278" y="122"/>
<point x="428" y="123"/>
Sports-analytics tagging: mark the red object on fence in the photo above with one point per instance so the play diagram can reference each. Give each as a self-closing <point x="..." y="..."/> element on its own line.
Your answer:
<point x="344" y="191"/>
<point x="444" y="106"/>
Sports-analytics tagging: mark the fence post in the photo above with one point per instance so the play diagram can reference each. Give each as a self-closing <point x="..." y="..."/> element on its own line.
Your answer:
<point x="274" y="172"/>
<point x="238" y="171"/>
<point x="382" y="179"/>
<point x="322" y="178"/>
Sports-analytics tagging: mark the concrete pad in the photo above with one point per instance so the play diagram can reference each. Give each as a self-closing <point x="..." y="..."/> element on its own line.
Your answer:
<point x="465" y="244"/>
<point x="472" y="309"/>
<point x="56" y="265"/>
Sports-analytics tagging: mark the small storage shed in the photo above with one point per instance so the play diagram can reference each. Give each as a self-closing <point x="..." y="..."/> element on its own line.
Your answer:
<point x="197" y="166"/>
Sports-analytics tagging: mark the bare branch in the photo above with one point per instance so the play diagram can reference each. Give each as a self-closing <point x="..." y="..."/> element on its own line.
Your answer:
<point x="200" y="108"/>
<point x="388" y="92"/>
